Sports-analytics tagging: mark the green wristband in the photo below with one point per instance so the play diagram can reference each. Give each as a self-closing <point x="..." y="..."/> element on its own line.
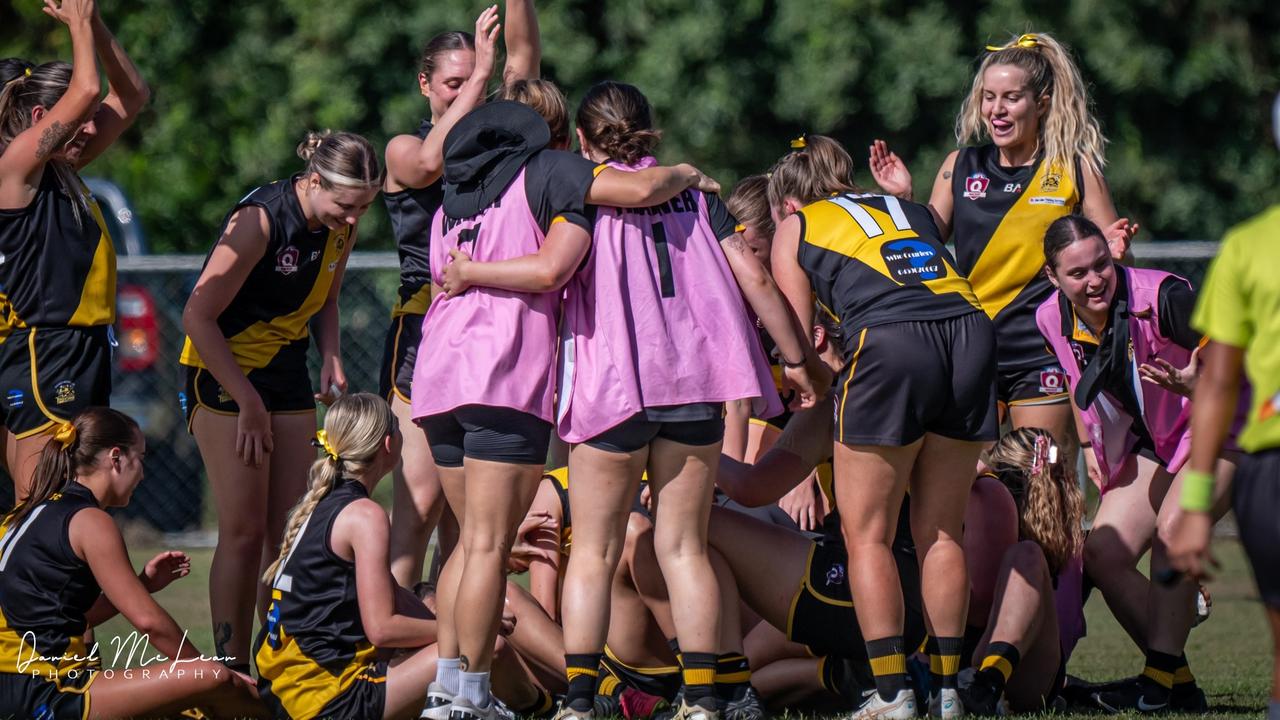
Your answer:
<point x="1197" y="491"/>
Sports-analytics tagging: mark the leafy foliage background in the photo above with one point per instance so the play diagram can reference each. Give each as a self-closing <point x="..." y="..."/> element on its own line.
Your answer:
<point x="1183" y="87"/>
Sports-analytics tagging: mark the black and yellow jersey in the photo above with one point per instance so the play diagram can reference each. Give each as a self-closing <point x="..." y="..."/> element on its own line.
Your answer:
<point x="57" y="263"/>
<point x="410" y="211"/>
<point x="45" y="590"/>
<point x="999" y="220"/>
<point x="286" y="287"/>
<point x="874" y="259"/>
<point x="313" y="646"/>
<point x="559" y="479"/>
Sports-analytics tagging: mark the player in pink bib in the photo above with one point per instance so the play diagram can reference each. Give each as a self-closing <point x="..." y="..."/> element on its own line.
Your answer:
<point x="656" y="337"/>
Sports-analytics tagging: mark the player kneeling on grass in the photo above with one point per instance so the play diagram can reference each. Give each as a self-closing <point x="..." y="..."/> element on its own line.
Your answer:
<point x="64" y="569"/>
<point x="334" y="605"/>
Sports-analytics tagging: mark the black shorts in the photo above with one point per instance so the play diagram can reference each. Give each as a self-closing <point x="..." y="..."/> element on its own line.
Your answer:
<point x="822" y="616"/>
<point x="906" y="379"/>
<point x="365" y="698"/>
<point x="663" y="682"/>
<point x="651" y="424"/>
<point x="50" y="374"/>
<point x="1256" y="501"/>
<point x="399" y="353"/>
<point x="25" y="696"/>
<point x="284" y="386"/>
<point x="1041" y="385"/>
<point x="483" y="432"/>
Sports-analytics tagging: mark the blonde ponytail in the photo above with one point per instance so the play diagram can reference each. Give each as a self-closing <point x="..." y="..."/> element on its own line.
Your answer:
<point x="1068" y="130"/>
<point x="354" y="429"/>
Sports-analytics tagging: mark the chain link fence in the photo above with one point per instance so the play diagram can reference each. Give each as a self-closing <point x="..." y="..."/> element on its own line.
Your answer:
<point x="174" y="497"/>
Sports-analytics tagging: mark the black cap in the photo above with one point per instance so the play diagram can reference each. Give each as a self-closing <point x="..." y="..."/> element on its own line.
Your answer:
<point x="484" y="152"/>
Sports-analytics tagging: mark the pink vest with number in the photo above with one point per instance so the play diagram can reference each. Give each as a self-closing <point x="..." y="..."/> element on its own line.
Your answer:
<point x="1166" y="414"/>
<point x="655" y="317"/>
<point x="487" y="346"/>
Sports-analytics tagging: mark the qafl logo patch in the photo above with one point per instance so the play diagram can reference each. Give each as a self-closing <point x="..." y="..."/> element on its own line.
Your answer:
<point x="64" y="392"/>
<point x="1053" y="381"/>
<point x="287" y="260"/>
<point x="975" y="186"/>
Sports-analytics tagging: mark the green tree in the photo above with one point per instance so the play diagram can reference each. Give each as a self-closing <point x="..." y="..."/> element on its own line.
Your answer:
<point x="1183" y="88"/>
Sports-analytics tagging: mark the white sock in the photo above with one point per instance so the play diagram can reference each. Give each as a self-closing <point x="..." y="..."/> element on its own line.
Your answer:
<point x="475" y="687"/>
<point x="447" y="672"/>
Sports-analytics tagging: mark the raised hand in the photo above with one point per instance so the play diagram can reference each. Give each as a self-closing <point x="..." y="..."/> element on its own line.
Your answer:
<point x="70" y="12"/>
<point x="888" y="170"/>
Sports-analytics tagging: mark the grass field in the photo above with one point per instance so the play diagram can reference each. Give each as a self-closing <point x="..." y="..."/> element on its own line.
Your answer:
<point x="1230" y="654"/>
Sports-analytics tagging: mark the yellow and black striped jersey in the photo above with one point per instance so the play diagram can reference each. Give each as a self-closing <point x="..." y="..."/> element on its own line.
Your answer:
<point x="874" y="259"/>
<point x="57" y="263"/>
<point x="45" y="590"/>
<point x="559" y="479"/>
<point x="313" y="645"/>
<point x="286" y="287"/>
<point x="410" y="211"/>
<point x="999" y="220"/>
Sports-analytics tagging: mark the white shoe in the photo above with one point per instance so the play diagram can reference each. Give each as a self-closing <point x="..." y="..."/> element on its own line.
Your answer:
<point x="873" y="708"/>
<point x="946" y="704"/>
<point x="439" y="701"/>
<point x="464" y="709"/>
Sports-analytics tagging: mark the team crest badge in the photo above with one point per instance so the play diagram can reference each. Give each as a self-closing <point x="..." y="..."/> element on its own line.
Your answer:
<point x="1050" y="182"/>
<point x="975" y="186"/>
<point x="835" y="575"/>
<point x="224" y="397"/>
<point x="287" y="260"/>
<point x="64" y="392"/>
<point x="1053" y="381"/>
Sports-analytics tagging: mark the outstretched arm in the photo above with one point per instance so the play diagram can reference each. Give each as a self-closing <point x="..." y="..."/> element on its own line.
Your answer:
<point x="647" y="187"/>
<point x="524" y="46"/>
<point x="127" y="93"/>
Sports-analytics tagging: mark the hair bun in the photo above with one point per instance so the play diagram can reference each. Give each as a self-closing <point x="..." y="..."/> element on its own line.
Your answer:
<point x="307" y="148"/>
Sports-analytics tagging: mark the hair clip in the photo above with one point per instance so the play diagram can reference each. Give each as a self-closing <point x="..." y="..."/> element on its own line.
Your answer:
<point x="1029" y="41"/>
<point x="799" y="143"/>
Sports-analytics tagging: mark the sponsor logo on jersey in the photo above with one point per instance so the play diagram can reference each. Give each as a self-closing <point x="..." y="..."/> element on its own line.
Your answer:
<point x="287" y="260"/>
<point x="182" y="402"/>
<point x="16" y="399"/>
<point x="1268" y="410"/>
<point x="1053" y="381"/>
<point x="912" y="261"/>
<point x="1013" y="187"/>
<point x="1051" y="182"/>
<point x="975" y="186"/>
<point x="64" y="392"/>
<point x="1046" y="200"/>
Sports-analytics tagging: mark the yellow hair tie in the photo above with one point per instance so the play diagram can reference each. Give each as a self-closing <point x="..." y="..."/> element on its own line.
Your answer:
<point x="322" y="442"/>
<point x="27" y="72"/>
<point x="1028" y="41"/>
<point x="65" y="435"/>
<point x="799" y="143"/>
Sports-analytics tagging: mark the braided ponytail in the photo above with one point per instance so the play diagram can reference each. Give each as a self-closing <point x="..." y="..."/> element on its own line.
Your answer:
<point x="354" y="428"/>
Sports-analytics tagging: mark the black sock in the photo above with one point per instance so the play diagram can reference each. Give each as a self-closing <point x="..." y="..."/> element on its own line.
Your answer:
<point x="733" y="676"/>
<point x="1183" y="680"/>
<point x="582" y="670"/>
<point x="998" y="664"/>
<point x="699" y="672"/>
<point x="543" y="704"/>
<point x="889" y="665"/>
<point x="931" y="649"/>
<point x="946" y="662"/>
<point x="1159" y="671"/>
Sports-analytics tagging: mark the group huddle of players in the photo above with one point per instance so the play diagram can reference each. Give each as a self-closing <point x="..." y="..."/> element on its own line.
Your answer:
<point x="819" y="460"/>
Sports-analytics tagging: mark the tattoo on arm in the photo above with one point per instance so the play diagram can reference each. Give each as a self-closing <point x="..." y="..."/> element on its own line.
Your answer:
<point x="946" y="174"/>
<point x="736" y="243"/>
<point x="53" y="136"/>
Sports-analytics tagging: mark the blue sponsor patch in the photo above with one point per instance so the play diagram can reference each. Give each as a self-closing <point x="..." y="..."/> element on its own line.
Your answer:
<point x="182" y="402"/>
<point x="16" y="399"/>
